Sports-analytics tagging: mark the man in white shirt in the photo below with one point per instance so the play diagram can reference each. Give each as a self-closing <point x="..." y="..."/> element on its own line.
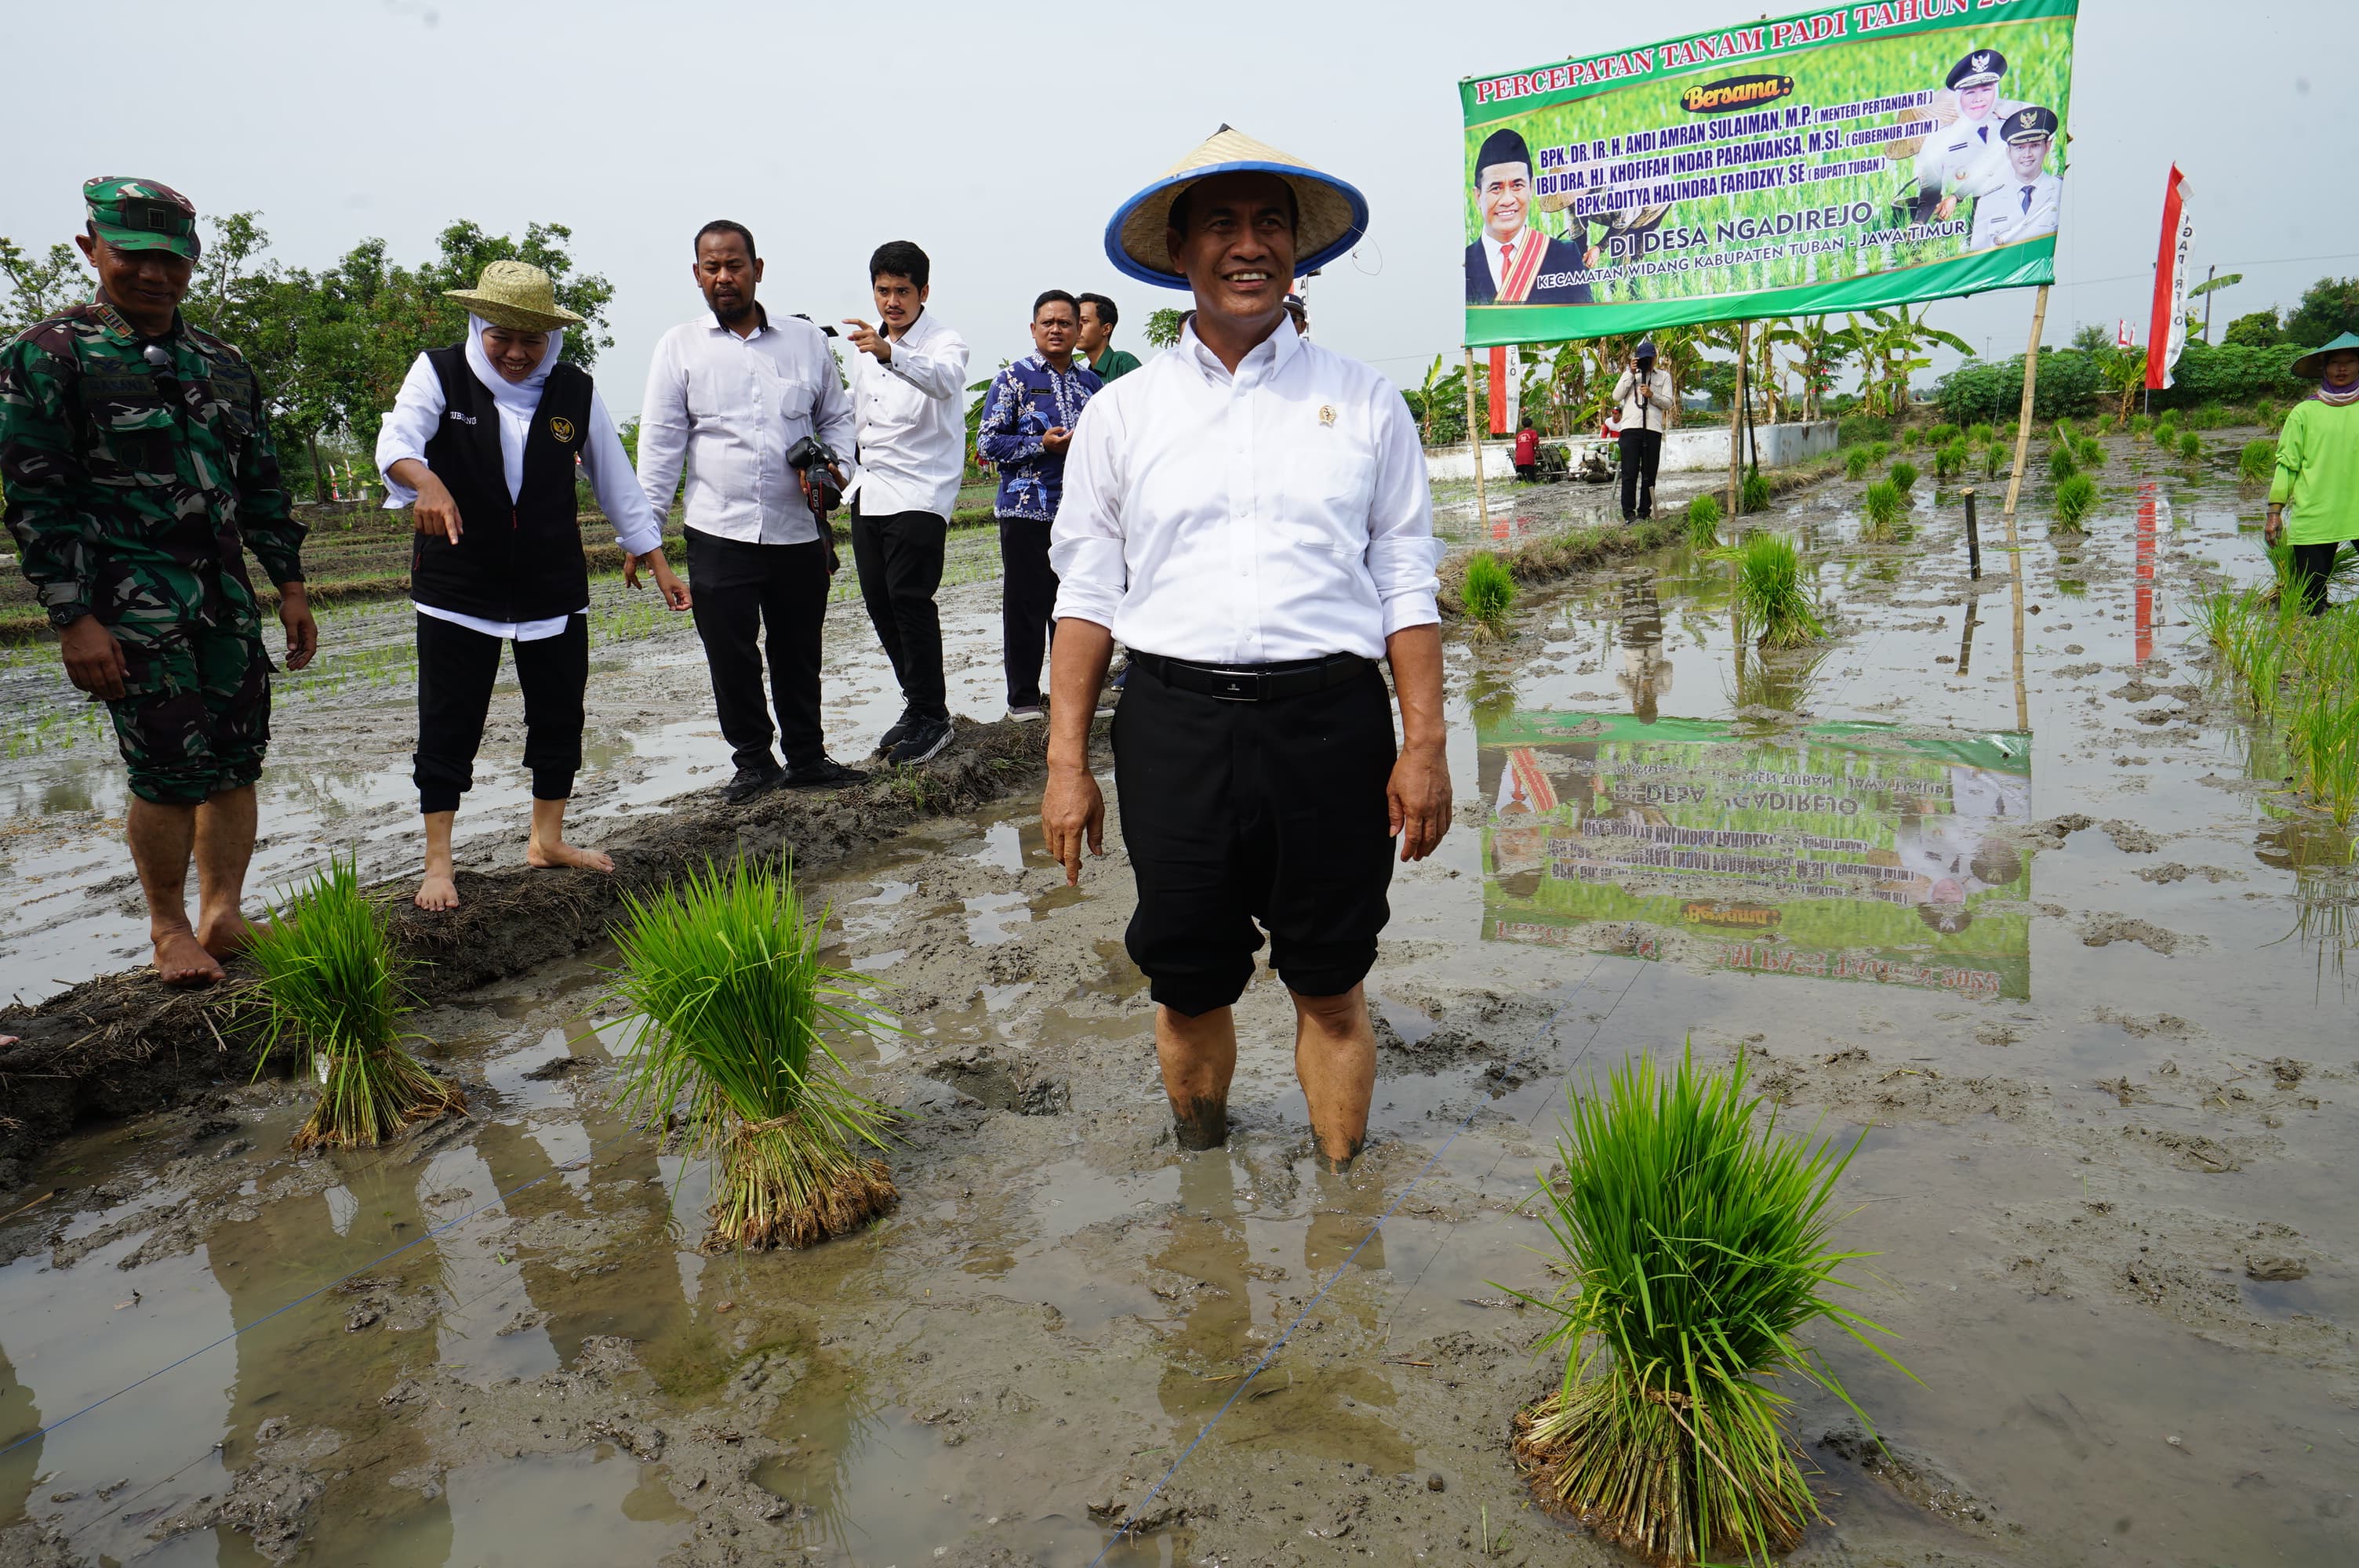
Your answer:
<point x="2029" y="204"/>
<point x="907" y="382"/>
<point x="731" y="395"/>
<point x="1249" y="515"/>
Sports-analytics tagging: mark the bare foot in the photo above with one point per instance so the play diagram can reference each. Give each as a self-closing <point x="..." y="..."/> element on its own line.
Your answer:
<point x="437" y="891"/>
<point x="549" y="857"/>
<point x="182" y="959"/>
<point x="232" y="933"/>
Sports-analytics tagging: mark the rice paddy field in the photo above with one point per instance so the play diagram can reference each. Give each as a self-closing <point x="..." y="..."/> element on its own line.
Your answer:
<point x="2005" y="890"/>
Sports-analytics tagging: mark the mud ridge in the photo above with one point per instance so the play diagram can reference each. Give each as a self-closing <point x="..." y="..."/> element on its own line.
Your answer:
<point x="125" y="1043"/>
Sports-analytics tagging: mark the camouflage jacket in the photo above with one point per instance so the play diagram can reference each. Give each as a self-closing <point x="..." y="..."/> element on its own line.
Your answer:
<point x="124" y="502"/>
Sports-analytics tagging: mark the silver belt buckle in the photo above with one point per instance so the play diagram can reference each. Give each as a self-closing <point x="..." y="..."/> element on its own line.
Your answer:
<point x="1238" y="686"/>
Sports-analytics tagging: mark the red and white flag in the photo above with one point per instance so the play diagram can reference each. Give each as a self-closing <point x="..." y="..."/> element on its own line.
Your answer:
<point x="2167" y="333"/>
<point x="2123" y="337"/>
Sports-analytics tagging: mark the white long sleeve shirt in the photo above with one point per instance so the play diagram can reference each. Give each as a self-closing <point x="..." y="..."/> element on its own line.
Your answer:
<point x="418" y="410"/>
<point x="2019" y="209"/>
<point x="912" y="417"/>
<point x="1281" y="513"/>
<point x="732" y="408"/>
<point x="1649" y="408"/>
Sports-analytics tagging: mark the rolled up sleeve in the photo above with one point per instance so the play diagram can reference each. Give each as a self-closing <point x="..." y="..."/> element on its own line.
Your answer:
<point x="1402" y="551"/>
<point x="417" y="409"/>
<point x="1085" y="543"/>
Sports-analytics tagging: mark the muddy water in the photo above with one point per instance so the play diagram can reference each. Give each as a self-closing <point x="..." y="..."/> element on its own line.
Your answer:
<point x="2111" y="1203"/>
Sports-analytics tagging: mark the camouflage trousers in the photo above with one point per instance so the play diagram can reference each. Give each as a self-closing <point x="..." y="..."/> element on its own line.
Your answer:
<point x="194" y="717"/>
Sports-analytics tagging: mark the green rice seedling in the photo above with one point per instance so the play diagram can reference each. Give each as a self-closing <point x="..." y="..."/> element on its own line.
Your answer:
<point x="1697" y="1246"/>
<point x="2105" y="423"/>
<point x="2257" y="462"/>
<point x="1981" y="433"/>
<point x="1904" y="477"/>
<point x="2166" y="434"/>
<point x="1942" y="435"/>
<point x="2089" y="452"/>
<point x="1879" y="451"/>
<point x="1997" y="457"/>
<point x="2220" y="614"/>
<point x="2067" y="431"/>
<point x="1704" y="518"/>
<point x="2075" y="498"/>
<point x="725" y="970"/>
<point x="1949" y="462"/>
<point x="1753" y="493"/>
<point x="2141" y="424"/>
<point x="332" y="986"/>
<point x="1882" y="507"/>
<point x="1855" y="462"/>
<point x="1770" y="599"/>
<point x="1488" y="593"/>
<point x="2341" y="574"/>
<point x="2060" y="463"/>
<point x="2191" y="445"/>
<point x="2264" y="414"/>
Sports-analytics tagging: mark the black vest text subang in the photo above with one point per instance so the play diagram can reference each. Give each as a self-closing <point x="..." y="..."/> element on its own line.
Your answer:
<point x="516" y="560"/>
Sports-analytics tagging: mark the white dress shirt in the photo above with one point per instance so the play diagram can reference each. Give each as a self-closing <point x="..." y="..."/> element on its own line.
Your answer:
<point x="1653" y="412"/>
<point x="2019" y="209"/>
<point x="1279" y="514"/>
<point x="418" y="410"/>
<point x="912" y="422"/>
<point x="732" y="408"/>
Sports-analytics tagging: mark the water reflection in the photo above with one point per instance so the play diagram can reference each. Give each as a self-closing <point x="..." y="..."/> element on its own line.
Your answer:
<point x="1846" y="851"/>
<point x="1645" y="675"/>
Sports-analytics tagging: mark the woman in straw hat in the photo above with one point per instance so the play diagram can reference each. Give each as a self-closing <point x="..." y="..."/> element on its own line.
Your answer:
<point x="2318" y="468"/>
<point x="482" y="443"/>
<point x="1248" y="514"/>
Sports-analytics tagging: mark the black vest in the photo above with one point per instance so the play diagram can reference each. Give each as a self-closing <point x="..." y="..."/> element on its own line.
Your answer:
<point x="516" y="560"/>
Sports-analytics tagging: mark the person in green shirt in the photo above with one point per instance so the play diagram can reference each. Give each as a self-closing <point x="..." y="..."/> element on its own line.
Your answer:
<point x="2318" y="468"/>
<point x="1098" y="318"/>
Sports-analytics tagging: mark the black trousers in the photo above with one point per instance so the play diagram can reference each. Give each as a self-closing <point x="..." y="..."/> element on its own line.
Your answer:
<point x="899" y="558"/>
<point x="741" y="592"/>
<point x="1238" y="812"/>
<point x="456" y="667"/>
<point x="1642" y="453"/>
<point x="1028" y="597"/>
<point x="2311" y="565"/>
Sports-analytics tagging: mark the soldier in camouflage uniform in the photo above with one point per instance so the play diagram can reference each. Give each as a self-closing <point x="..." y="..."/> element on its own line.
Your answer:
<point x="137" y="464"/>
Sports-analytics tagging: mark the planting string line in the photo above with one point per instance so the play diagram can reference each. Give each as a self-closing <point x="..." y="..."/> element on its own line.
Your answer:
<point x="1342" y="1269"/>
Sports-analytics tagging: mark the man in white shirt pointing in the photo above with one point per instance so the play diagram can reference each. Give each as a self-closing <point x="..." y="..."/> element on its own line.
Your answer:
<point x="730" y="395"/>
<point x="1249" y="515"/>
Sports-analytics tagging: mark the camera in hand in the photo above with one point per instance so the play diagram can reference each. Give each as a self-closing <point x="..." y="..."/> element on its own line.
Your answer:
<point x="810" y="454"/>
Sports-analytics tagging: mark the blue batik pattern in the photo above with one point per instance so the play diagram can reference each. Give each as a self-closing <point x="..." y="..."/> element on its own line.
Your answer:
<point x="1027" y="400"/>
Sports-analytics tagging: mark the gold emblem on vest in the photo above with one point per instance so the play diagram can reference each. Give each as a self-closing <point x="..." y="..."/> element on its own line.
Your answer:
<point x="1327" y="414"/>
<point x="562" y="429"/>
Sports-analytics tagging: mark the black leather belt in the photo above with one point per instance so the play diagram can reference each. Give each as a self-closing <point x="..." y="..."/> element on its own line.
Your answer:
<point x="1253" y="683"/>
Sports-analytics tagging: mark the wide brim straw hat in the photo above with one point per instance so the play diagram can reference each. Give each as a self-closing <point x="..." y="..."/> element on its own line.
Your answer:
<point x="516" y="295"/>
<point x="2311" y="366"/>
<point x="1334" y="212"/>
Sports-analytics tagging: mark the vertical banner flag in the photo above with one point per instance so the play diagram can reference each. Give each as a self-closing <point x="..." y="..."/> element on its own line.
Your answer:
<point x="1830" y="160"/>
<point x="2167" y="333"/>
<point x="1497" y="382"/>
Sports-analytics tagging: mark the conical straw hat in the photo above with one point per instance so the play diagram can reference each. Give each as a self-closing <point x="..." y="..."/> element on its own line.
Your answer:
<point x="1335" y="214"/>
<point x="516" y="295"/>
<point x="2311" y="366"/>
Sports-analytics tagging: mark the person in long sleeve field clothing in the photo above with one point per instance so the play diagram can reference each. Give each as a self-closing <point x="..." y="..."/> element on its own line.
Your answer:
<point x="1248" y="514"/>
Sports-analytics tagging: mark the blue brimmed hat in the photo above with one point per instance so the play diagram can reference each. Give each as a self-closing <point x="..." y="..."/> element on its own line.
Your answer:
<point x="2312" y="365"/>
<point x="1333" y="213"/>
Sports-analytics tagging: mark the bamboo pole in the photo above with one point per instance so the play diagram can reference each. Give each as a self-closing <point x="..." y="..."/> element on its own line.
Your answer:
<point x="1474" y="439"/>
<point x="1736" y="429"/>
<point x="2023" y="418"/>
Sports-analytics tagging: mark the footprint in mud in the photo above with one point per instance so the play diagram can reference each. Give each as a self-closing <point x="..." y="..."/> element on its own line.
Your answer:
<point x="1013" y="1086"/>
<point x="2102" y="930"/>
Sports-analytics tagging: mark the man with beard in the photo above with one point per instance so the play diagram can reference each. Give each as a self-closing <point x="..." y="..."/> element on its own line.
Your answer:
<point x="730" y="395"/>
<point x="1511" y="262"/>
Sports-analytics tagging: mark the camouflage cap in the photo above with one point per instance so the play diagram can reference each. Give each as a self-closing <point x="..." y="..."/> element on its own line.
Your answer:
<point x="141" y="215"/>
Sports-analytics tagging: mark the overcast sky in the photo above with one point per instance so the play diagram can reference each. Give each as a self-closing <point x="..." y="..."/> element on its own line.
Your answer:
<point x="1001" y="140"/>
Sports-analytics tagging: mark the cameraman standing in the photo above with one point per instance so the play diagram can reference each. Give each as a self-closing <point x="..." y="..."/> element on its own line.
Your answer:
<point x="730" y="393"/>
<point x="1648" y="400"/>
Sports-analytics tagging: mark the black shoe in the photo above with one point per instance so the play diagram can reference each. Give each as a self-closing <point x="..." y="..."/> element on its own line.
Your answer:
<point x="895" y="731"/>
<point x="751" y="781"/>
<point x="825" y="772"/>
<point x="925" y="740"/>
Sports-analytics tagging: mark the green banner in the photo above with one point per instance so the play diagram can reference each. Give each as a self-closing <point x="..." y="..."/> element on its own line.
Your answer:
<point x="1861" y="853"/>
<point x="1827" y="161"/>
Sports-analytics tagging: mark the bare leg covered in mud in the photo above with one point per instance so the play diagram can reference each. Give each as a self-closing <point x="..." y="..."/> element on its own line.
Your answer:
<point x="1334" y="1057"/>
<point x="219" y="835"/>
<point x="1198" y="1056"/>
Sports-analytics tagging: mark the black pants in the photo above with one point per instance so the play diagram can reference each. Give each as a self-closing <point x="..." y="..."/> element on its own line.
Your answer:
<point x="1234" y="813"/>
<point x="1642" y="453"/>
<point x="742" y="590"/>
<point x="1028" y="597"/>
<point x="2311" y="565"/>
<point x="899" y="558"/>
<point x="456" y="667"/>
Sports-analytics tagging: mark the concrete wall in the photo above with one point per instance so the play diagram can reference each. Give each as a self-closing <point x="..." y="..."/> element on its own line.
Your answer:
<point x="1697" y="448"/>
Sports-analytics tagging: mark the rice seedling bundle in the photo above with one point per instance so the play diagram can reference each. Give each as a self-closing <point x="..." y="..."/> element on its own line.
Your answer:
<point x="2089" y="452"/>
<point x="1703" y="518"/>
<point x="2061" y="466"/>
<point x="2166" y="433"/>
<point x="332" y="985"/>
<point x="2067" y="431"/>
<point x="2257" y="462"/>
<point x="1882" y="505"/>
<point x="1996" y="458"/>
<point x="1951" y="460"/>
<point x="2141" y="424"/>
<point x="2264" y="414"/>
<point x="2075" y="498"/>
<point x="1942" y="435"/>
<point x="1909" y="438"/>
<point x="2321" y="720"/>
<point x="1855" y="462"/>
<point x="1697" y="1248"/>
<point x="2104" y="424"/>
<point x="1981" y="434"/>
<point x="1879" y="451"/>
<point x="1770" y="598"/>
<point x="2191" y="445"/>
<point x="725" y="971"/>
<point x="1488" y="593"/>
<point x="1754" y="492"/>
<point x="1904" y="477"/>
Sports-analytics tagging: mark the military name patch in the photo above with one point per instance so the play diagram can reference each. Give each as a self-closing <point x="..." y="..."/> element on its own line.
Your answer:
<point x="562" y="429"/>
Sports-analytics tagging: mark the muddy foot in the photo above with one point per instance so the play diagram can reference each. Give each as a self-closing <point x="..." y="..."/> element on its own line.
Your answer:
<point x="437" y="891"/>
<point x="181" y="960"/>
<point x="222" y="937"/>
<point x="549" y="857"/>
